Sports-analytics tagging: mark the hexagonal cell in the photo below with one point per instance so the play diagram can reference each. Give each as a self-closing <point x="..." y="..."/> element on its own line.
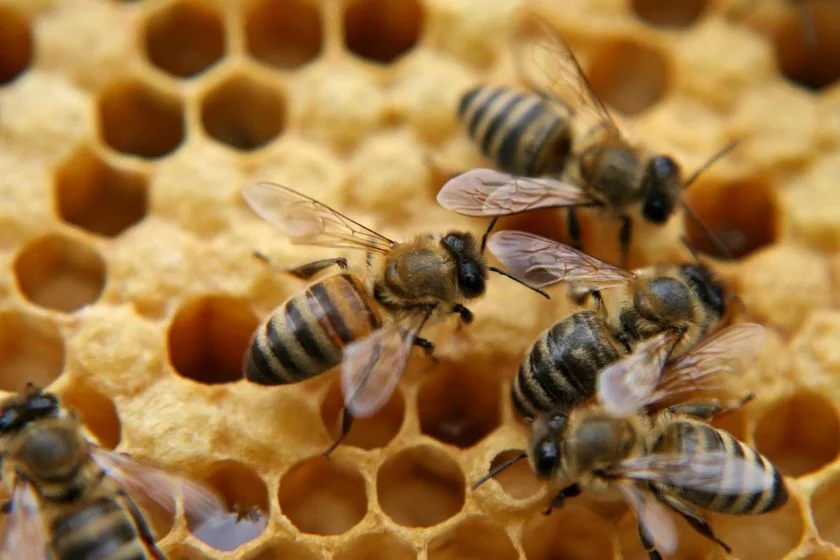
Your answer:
<point x="807" y="45"/>
<point x="825" y="510"/>
<point x="800" y="434"/>
<point x="518" y="480"/>
<point x="282" y="548"/>
<point x="97" y="197"/>
<point x="476" y="538"/>
<point x="323" y="497"/>
<point x="31" y="349"/>
<point x="245" y="494"/>
<point x="60" y="273"/>
<point x="757" y="537"/>
<point x="16" y="44"/>
<point x="208" y="338"/>
<point x="420" y="486"/>
<point x="140" y="120"/>
<point x="376" y="546"/>
<point x="184" y="38"/>
<point x="367" y="433"/>
<point x="740" y="228"/>
<point x="668" y="14"/>
<point x="382" y="30"/>
<point x="459" y="407"/>
<point x="96" y="411"/>
<point x="572" y="533"/>
<point x="630" y="76"/>
<point x="284" y="33"/>
<point x="243" y="113"/>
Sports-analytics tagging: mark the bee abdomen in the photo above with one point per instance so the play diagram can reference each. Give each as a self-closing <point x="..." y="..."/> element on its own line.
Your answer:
<point x="305" y="336"/>
<point x="101" y="530"/>
<point x="748" y="498"/>
<point x="517" y="131"/>
<point x="562" y="366"/>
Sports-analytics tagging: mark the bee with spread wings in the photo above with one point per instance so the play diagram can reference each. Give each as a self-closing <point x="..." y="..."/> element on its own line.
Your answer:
<point x="532" y="145"/>
<point x="670" y="459"/>
<point x="337" y="320"/>
<point x="71" y="498"/>
<point x="685" y="301"/>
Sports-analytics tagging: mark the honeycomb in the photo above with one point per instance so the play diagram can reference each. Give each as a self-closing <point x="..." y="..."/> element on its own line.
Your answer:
<point x="128" y="285"/>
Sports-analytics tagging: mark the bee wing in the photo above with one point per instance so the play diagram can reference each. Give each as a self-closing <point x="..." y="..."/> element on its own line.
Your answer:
<point x="712" y="471"/>
<point x="309" y="222"/>
<point x="702" y="368"/>
<point x="149" y="484"/>
<point x="628" y="385"/>
<point x="540" y="261"/>
<point x="653" y="517"/>
<point x="486" y="192"/>
<point x="539" y="43"/>
<point x="372" y="367"/>
<point x="25" y="535"/>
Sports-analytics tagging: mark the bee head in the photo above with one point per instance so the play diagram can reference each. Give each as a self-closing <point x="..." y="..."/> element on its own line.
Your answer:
<point x="471" y="270"/>
<point x="662" y="185"/>
<point x="30" y="405"/>
<point x="546" y="445"/>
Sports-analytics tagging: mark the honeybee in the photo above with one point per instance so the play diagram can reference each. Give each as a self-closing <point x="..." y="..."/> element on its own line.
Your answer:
<point x="71" y="499"/>
<point x="670" y="459"/>
<point x="336" y="320"/>
<point x="686" y="301"/>
<point x="528" y="135"/>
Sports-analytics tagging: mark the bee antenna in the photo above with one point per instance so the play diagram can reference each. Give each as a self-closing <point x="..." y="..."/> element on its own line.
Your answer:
<point x="707" y="233"/>
<point x="518" y="281"/>
<point x="711" y="161"/>
<point x="497" y="470"/>
<point x="487" y="233"/>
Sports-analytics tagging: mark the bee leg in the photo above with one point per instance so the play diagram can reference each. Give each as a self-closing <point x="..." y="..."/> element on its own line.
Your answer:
<point x="346" y="424"/>
<point x="466" y="314"/>
<point x="694" y="519"/>
<point x="306" y="270"/>
<point x="573" y="228"/>
<point x="624" y="236"/>
<point x="6" y="507"/>
<point x="653" y="554"/>
<point x="557" y="501"/>
<point x="143" y="530"/>
<point x="428" y="347"/>
<point x="712" y="409"/>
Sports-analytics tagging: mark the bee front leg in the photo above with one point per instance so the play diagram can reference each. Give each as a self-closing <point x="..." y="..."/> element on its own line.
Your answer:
<point x="466" y="314"/>
<point x="573" y="228"/>
<point x="557" y="501"/>
<point x="624" y="236"/>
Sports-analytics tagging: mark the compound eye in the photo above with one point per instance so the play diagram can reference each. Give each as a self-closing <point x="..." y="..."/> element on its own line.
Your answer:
<point x="548" y="457"/>
<point x="658" y="208"/>
<point x="472" y="284"/>
<point x="663" y="168"/>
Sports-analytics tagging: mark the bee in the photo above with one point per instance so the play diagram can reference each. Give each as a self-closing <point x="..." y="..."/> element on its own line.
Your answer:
<point x="686" y="301"/>
<point x="671" y="459"/>
<point x="71" y="499"/>
<point x="528" y="137"/>
<point x="337" y="320"/>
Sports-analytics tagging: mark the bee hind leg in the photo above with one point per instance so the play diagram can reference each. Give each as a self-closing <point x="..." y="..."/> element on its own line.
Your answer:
<point x="649" y="547"/>
<point x="712" y="409"/>
<point x="694" y="519"/>
<point x="346" y="424"/>
<point x="306" y="270"/>
<point x="142" y="527"/>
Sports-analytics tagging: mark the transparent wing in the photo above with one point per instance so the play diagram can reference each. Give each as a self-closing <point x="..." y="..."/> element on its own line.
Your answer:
<point x="372" y="367"/>
<point x="309" y="222"/>
<point x="485" y="192"/>
<point x="704" y="367"/>
<point x="653" y="517"/>
<point x="25" y="536"/>
<point x="713" y="471"/>
<point x="546" y="63"/>
<point x="540" y="261"/>
<point x="148" y="484"/>
<point x="629" y="385"/>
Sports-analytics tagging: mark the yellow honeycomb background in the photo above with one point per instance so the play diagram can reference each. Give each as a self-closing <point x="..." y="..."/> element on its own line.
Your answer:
<point x="128" y="128"/>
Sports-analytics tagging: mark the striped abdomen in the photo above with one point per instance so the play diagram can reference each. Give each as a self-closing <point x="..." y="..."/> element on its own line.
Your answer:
<point x="691" y="437"/>
<point x="304" y="337"/>
<point x="561" y="368"/>
<point x="102" y="530"/>
<point x="517" y="131"/>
